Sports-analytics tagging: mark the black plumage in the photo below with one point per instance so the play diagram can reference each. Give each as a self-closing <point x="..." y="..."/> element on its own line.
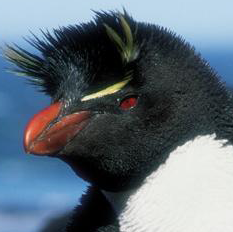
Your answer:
<point x="178" y="97"/>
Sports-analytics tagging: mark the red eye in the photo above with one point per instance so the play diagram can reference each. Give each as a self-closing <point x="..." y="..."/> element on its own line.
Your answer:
<point x="128" y="102"/>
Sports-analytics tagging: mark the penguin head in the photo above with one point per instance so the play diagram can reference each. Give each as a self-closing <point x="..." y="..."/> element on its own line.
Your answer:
<point x="124" y="95"/>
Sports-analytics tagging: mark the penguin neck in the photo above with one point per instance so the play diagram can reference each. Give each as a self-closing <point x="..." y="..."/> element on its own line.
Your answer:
<point x="118" y="200"/>
<point x="191" y="191"/>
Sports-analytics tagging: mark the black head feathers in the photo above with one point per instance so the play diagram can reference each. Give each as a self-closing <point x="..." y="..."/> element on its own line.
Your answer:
<point x="99" y="53"/>
<point x="107" y="45"/>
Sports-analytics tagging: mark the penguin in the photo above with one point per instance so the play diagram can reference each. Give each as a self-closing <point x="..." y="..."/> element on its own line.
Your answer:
<point x="137" y="113"/>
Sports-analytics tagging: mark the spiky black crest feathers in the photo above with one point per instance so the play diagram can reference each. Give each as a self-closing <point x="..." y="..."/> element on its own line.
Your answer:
<point x="80" y="45"/>
<point x="91" y="54"/>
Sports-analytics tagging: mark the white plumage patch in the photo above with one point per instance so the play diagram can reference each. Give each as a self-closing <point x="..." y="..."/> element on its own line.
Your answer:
<point x="191" y="192"/>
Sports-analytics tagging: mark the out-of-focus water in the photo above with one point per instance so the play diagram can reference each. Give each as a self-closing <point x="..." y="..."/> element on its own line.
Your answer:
<point x="32" y="189"/>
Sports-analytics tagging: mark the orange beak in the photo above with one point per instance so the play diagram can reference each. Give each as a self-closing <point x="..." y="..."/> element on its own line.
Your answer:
<point x="46" y="136"/>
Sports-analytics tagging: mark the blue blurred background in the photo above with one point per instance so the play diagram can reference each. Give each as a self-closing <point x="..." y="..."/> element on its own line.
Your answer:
<point x="35" y="189"/>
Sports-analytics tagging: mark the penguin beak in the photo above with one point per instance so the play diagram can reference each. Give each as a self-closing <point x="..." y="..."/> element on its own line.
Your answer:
<point x="46" y="133"/>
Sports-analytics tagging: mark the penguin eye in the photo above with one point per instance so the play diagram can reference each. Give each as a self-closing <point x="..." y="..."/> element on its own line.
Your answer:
<point x="128" y="102"/>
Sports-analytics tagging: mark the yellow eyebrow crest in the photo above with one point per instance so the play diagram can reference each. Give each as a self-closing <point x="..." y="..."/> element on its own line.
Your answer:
<point x="109" y="90"/>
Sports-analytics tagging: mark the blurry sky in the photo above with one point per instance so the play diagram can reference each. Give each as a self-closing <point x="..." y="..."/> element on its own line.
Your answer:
<point x="207" y="24"/>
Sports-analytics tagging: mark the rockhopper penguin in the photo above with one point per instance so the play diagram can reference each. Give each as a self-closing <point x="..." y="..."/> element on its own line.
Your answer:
<point x="142" y="117"/>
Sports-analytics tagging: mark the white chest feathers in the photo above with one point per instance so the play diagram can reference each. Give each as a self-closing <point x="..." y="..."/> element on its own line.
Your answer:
<point x="191" y="192"/>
